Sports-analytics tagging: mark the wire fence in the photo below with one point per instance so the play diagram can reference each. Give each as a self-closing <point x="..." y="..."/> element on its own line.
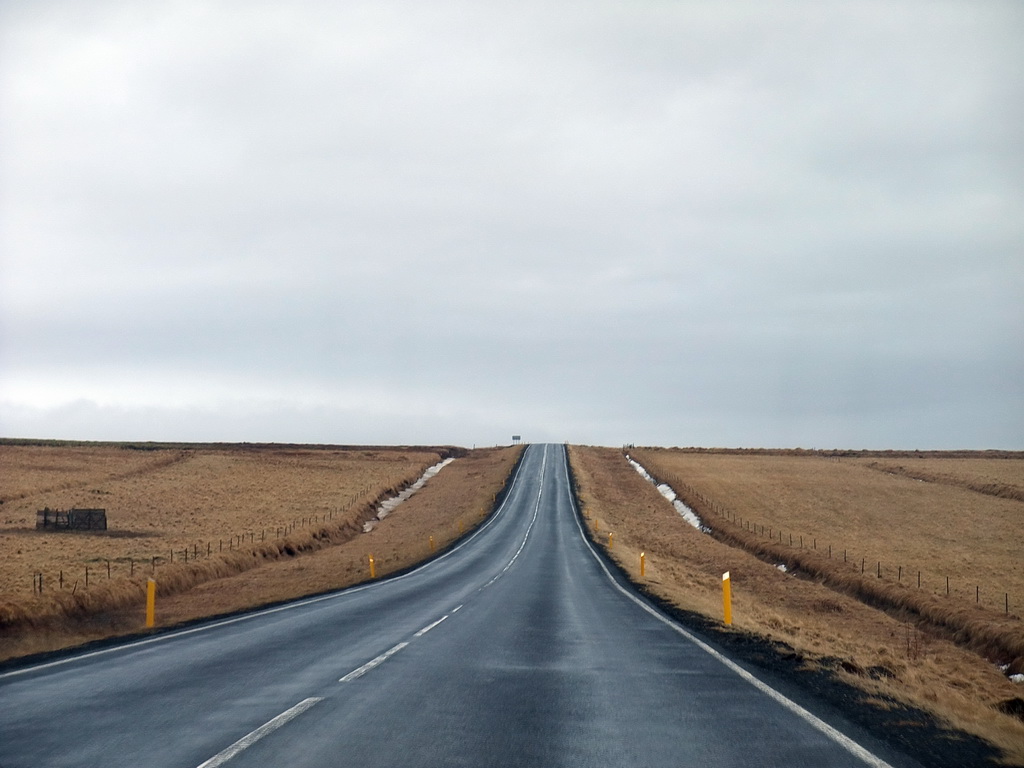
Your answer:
<point x="79" y="577"/>
<point x="858" y="562"/>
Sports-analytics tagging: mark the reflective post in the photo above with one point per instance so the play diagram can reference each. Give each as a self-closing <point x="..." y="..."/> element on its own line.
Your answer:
<point x="727" y="597"/>
<point x="150" y="603"/>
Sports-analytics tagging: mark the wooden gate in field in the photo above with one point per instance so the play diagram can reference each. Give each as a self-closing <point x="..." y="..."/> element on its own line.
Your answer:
<point x="71" y="519"/>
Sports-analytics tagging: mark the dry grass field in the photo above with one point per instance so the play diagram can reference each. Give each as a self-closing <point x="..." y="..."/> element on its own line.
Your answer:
<point x="449" y="506"/>
<point x="907" y="525"/>
<point x="175" y="503"/>
<point x="1002" y="477"/>
<point x="246" y="525"/>
<point x="891" y="657"/>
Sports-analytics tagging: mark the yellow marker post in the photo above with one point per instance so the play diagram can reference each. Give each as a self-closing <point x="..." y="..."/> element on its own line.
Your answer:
<point x="150" y="603"/>
<point x="611" y="540"/>
<point x="431" y="543"/>
<point x="460" y="527"/>
<point x="642" y="558"/>
<point x="373" y="568"/>
<point x="727" y="598"/>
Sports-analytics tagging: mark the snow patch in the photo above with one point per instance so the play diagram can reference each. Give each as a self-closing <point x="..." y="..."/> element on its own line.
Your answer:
<point x="387" y="506"/>
<point x="782" y="567"/>
<point x="665" y="490"/>
<point x="1017" y="678"/>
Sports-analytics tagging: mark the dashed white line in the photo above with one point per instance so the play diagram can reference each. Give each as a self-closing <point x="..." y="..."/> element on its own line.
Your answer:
<point x="526" y="537"/>
<point x="429" y="627"/>
<point x="357" y="673"/>
<point x="264" y="730"/>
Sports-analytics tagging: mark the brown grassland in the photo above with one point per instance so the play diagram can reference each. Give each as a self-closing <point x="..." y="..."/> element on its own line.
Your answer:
<point x="245" y="525"/>
<point x="995" y="477"/>
<point x="940" y="661"/>
<point x="884" y="529"/>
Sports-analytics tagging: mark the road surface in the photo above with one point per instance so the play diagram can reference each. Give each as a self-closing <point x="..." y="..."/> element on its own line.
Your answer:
<point x="517" y="648"/>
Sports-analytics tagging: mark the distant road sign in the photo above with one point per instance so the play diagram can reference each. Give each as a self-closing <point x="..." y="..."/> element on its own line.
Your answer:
<point x="516" y="438"/>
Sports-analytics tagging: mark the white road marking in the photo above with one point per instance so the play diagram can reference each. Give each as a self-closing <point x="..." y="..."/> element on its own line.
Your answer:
<point x="357" y="673"/>
<point x="429" y="627"/>
<point x="815" y="722"/>
<point x="264" y="730"/>
<point x="456" y="610"/>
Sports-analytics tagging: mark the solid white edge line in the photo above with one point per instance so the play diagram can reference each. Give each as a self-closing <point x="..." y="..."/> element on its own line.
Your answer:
<point x="372" y="663"/>
<point x="814" y="721"/>
<point x="267" y="728"/>
<point x="301" y="602"/>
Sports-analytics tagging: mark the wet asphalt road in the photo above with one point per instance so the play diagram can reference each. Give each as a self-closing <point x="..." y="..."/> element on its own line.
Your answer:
<point x="517" y="648"/>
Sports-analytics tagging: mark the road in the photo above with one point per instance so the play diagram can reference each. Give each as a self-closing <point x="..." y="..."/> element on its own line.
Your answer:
<point x="517" y="648"/>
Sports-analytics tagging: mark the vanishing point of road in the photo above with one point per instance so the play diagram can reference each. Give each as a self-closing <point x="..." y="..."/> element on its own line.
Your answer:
<point x="519" y="647"/>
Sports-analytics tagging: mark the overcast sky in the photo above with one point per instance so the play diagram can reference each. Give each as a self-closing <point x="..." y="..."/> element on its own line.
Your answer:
<point x="675" y="223"/>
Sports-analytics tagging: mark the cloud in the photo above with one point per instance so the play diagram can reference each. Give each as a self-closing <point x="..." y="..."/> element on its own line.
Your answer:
<point x="745" y="225"/>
